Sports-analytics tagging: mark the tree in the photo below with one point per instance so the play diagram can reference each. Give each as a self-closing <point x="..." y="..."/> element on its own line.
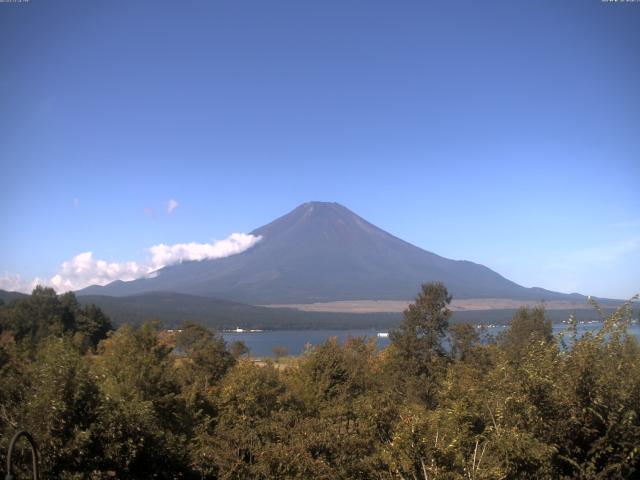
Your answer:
<point x="238" y="348"/>
<point x="527" y="325"/>
<point x="425" y="323"/>
<point x="15" y="380"/>
<point x="143" y="422"/>
<point x="280" y="351"/>
<point x="37" y="316"/>
<point x="45" y="313"/>
<point x="61" y="409"/>
<point x="464" y="341"/>
<point x="93" y="325"/>
<point x="248" y="398"/>
<point x="416" y="349"/>
<point x="207" y="359"/>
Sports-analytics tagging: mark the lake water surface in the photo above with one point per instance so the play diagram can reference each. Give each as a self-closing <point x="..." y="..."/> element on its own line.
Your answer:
<point x="261" y="344"/>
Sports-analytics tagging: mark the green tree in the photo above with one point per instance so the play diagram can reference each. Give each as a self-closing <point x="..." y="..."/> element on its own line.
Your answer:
<point x="249" y="397"/>
<point x="206" y="357"/>
<point x="143" y="421"/>
<point x="92" y="325"/>
<point x="15" y="380"/>
<point x="464" y="341"/>
<point x="60" y="409"/>
<point x="346" y="410"/>
<point x="598" y="432"/>
<point x="37" y="316"/>
<point x="417" y="355"/>
<point x="45" y="313"/>
<point x="526" y="326"/>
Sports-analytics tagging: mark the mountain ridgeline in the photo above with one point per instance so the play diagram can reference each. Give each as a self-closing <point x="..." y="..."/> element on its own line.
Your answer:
<point x="323" y="252"/>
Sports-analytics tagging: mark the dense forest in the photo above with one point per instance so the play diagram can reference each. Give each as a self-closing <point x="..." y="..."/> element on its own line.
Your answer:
<point x="441" y="402"/>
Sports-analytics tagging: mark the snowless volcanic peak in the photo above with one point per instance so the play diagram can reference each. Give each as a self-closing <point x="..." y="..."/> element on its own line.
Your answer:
<point x="320" y="221"/>
<point x="321" y="252"/>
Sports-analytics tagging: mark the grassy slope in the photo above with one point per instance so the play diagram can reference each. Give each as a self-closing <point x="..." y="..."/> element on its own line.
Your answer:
<point x="172" y="309"/>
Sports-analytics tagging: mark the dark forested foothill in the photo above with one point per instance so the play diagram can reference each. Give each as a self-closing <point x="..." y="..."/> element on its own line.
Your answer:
<point x="138" y="403"/>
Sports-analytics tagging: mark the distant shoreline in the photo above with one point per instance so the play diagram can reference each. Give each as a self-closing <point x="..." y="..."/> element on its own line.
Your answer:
<point x="457" y="305"/>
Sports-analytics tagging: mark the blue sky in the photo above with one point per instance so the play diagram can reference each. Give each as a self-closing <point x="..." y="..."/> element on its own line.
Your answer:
<point x="506" y="133"/>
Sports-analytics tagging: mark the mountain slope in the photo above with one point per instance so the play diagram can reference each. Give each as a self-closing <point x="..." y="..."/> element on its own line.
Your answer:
<point x="7" y="296"/>
<point x="323" y="252"/>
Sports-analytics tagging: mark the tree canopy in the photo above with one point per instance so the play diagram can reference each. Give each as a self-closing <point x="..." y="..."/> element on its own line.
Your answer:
<point x="439" y="403"/>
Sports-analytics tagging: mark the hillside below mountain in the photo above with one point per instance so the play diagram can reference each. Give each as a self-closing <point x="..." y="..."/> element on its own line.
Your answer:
<point x="172" y="309"/>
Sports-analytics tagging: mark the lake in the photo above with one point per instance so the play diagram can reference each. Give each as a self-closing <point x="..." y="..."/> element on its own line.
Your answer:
<point x="261" y="344"/>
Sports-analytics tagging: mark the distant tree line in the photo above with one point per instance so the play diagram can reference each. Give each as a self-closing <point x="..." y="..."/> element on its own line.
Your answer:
<point x="138" y="403"/>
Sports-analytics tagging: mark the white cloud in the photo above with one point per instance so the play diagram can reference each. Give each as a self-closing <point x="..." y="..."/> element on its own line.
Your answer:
<point x="84" y="270"/>
<point x="172" y="204"/>
<point x="15" y="283"/>
<point x="163" y="255"/>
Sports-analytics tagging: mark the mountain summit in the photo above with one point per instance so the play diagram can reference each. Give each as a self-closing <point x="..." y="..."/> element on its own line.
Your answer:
<point x="322" y="252"/>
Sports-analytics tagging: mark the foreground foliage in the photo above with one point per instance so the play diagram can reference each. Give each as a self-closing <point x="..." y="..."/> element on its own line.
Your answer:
<point x="438" y="403"/>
